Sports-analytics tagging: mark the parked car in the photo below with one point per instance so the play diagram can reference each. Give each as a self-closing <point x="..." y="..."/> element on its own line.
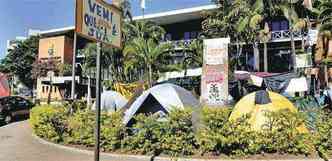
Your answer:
<point x="14" y="107"/>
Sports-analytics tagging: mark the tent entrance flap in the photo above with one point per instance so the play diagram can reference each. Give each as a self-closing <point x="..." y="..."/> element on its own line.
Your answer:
<point x="149" y="106"/>
<point x="262" y="97"/>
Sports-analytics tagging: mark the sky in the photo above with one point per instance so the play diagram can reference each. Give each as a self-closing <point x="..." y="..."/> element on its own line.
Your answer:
<point x="17" y="16"/>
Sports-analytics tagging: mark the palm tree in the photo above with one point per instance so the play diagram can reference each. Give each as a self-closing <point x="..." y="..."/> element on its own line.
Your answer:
<point x="147" y="52"/>
<point x="89" y="64"/>
<point x="301" y="25"/>
<point x="233" y="19"/>
<point x="143" y="29"/>
<point x="243" y="22"/>
<point x="324" y="17"/>
<point x="286" y="8"/>
<point x="193" y="55"/>
<point x="256" y="18"/>
<point x="323" y="10"/>
<point x="265" y="36"/>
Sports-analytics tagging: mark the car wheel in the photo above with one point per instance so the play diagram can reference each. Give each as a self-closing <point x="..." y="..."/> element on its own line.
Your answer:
<point x="8" y="119"/>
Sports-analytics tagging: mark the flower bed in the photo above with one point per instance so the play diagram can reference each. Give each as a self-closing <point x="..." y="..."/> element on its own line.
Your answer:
<point x="176" y="136"/>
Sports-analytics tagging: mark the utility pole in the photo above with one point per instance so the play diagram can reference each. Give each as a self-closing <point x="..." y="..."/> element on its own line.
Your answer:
<point x="73" y="81"/>
<point x="98" y="87"/>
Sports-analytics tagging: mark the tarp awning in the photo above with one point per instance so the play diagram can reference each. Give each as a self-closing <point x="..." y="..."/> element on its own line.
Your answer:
<point x="180" y="74"/>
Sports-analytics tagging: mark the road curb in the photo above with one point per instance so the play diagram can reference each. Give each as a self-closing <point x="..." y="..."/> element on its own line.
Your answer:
<point x="149" y="158"/>
<point x="88" y="152"/>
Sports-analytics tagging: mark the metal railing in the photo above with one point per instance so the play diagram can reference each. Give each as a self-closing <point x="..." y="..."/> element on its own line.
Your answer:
<point x="282" y="35"/>
<point x="285" y="35"/>
<point x="180" y="44"/>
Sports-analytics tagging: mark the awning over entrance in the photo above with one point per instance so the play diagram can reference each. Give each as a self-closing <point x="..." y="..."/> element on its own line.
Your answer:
<point x="58" y="80"/>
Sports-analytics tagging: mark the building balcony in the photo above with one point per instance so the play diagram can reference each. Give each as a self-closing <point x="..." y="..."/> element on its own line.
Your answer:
<point x="180" y="44"/>
<point x="276" y="36"/>
<point x="285" y="35"/>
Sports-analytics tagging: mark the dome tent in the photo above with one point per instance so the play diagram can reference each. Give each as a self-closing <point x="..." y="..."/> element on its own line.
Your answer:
<point x="111" y="101"/>
<point x="258" y="103"/>
<point x="161" y="99"/>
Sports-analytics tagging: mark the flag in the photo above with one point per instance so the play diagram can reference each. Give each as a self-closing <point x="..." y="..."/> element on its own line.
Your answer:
<point x="307" y="4"/>
<point x="143" y="6"/>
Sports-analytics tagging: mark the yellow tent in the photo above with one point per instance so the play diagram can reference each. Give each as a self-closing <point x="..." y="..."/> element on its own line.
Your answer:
<point x="258" y="103"/>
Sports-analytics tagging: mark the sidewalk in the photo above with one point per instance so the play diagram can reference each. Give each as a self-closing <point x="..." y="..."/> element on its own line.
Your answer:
<point x="17" y="144"/>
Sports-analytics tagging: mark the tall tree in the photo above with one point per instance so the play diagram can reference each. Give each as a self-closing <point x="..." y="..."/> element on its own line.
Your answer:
<point x="108" y="62"/>
<point x="239" y="20"/>
<point x="140" y="30"/>
<point x="243" y="21"/>
<point x="147" y="52"/>
<point x="265" y="36"/>
<point x="193" y="55"/>
<point x="323" y="11"/>
<point x="293" y="11"/>
<point x="143" y="29"/>
<point x="19" y="61"/>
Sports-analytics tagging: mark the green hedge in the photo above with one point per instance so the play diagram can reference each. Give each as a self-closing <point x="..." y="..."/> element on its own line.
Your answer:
<point x="175" y="135"/>
<point x="323" y="135"/>
<point x="49" y="122"/>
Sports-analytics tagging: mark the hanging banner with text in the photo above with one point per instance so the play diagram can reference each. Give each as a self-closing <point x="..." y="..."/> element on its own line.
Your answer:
<point x="99" y="21"/>
<point x="214" y="85"/>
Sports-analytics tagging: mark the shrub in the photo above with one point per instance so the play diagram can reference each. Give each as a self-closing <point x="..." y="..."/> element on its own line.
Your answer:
<point x="81" y="128"/>
<point x="210" y="135"/>
<point x="112" y="131"/>
<point x="281" y="134"/>
<point x="144" y="137"/>
<point x="49" y="122"/>
<point x="177" y="135"/>
<point x="219" y="135"/>
<point x="323" y="135"/>
<point x="77" y="105"/>
<point x="174" y="135"/>
<point x="285" y="132"/>
<point x="239" y="139"/>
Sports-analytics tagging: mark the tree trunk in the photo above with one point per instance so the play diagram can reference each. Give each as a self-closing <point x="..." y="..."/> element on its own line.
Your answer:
<point x="237" y="54"/>
<point x="326" y="77"/>
<point x="293" y="50"/>
<point x="238" y="57"/>
<point x="89" y="92"/>
<point x="185" y="65"/>
<point x="185" y="70"/>
<point x="150" y="75"/>
<point x="32" y="94"/>
<point x="302" y="41"/>
<point x="265" y="58"/>
<point x="256" y="56"/>
<point x="49" y="95"/>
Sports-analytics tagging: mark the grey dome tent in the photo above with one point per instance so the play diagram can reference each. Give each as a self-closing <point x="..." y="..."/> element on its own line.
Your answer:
<point x="111" y="101"/>
<point x="161" y="99"/>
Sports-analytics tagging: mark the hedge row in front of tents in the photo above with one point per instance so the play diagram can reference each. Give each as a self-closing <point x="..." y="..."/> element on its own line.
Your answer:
<point x="176" y="135"/>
